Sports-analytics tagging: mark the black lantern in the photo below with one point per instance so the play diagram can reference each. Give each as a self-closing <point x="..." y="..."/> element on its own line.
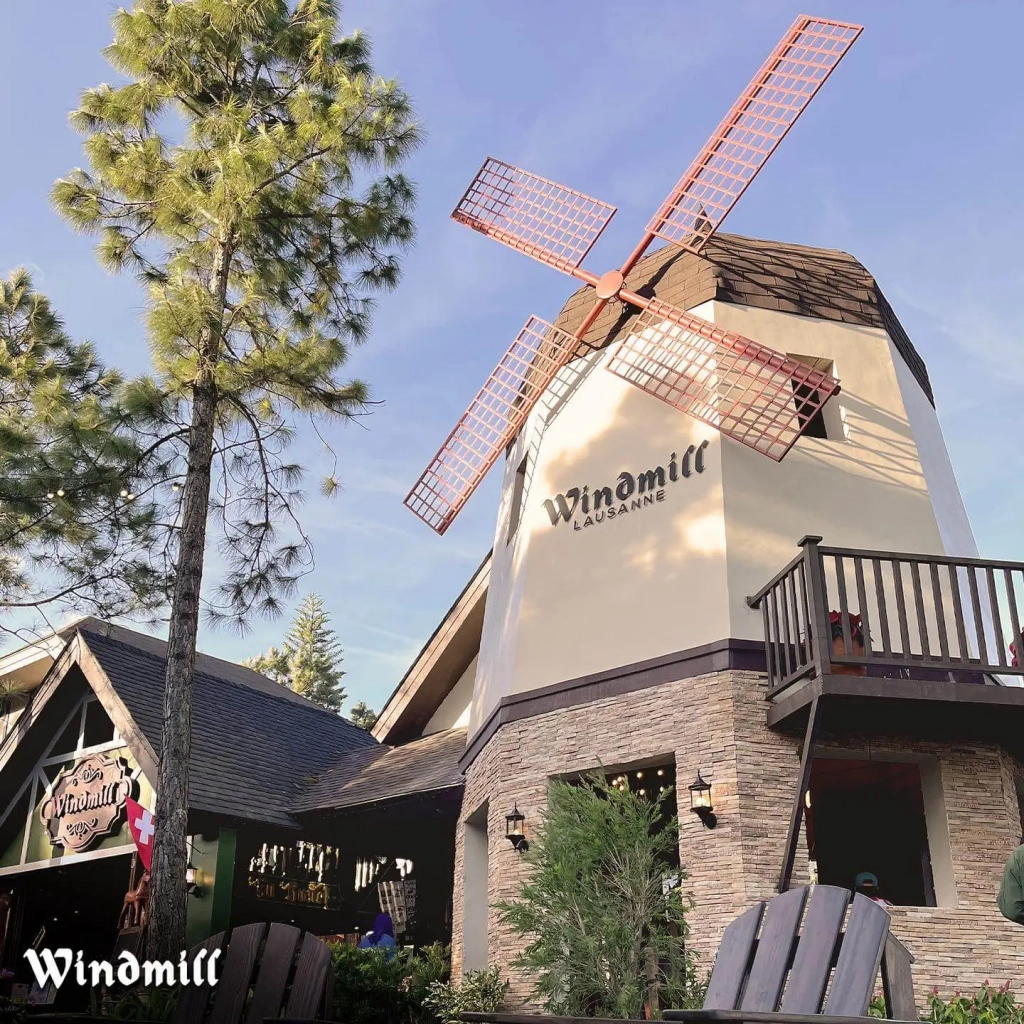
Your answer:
<point x="514" y="830"/>
<point x="190" y="880"/>
<point x="700" y="801"/>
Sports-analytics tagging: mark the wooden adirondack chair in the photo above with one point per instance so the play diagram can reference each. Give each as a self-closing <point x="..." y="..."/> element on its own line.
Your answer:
<point x="768" y="971"/>
<point x="749" y="981"/>
<point x="267" y="973"/>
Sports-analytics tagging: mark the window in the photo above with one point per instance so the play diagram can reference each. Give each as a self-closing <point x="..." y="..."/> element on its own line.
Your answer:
<point x="518" y="494"/>
<point x="815" y="421"/>
<point x="870" y="816"/>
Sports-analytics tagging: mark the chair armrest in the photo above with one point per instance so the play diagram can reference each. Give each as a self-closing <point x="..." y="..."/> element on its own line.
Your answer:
<point x="765" y="1017"/>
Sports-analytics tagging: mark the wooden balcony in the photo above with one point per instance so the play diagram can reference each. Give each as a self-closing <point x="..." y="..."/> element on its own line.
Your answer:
<point x="865" y="625"/>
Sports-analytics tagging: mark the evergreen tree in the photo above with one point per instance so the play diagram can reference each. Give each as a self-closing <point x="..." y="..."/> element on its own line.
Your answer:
<point x="309" y="660"/>
<point x="363" y="715"/>
<point x="604" y="938"/>
<point x="78" y="512"/>
<point x="247" y="173"/>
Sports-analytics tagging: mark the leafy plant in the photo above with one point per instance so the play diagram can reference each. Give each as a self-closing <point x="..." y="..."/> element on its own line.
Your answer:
<point x="987" y="1006"/>
<point x="369" y="988"/>
<point x="478" y="992"/>
<point x="137" y="1004"/>
<point x="605" y="939"/>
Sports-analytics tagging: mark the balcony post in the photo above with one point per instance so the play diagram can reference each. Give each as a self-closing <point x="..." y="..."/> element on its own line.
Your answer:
<point x="818" y="624"/>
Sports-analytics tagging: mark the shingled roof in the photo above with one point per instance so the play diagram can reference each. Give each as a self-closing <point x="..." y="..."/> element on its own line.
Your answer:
<point x="373" y="775"/>
<point x="823" y="283"/>
<point x="252" y="748"/>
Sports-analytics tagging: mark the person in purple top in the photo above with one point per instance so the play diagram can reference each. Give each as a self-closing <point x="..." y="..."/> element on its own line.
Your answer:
<point x="382" y="936"/>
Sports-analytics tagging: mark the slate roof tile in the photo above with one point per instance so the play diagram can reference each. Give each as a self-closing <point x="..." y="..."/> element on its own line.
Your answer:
<point x="252" y="750"/>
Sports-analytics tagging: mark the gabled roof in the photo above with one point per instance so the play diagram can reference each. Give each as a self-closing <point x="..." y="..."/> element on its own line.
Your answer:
<point x="372" y="775"/>
<point x="252" y="747"/>
<point x="439" y="665"/>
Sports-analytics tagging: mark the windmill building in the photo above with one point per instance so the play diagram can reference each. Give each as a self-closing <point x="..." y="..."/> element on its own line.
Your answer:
<point x="731" y="548"/>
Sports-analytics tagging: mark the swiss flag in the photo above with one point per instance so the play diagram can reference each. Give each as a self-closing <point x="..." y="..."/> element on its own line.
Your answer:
<point x="141" y="826"/>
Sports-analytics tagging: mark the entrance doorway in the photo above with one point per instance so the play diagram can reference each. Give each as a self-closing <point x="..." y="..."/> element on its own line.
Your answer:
<point x="75" y="907"/>
<point x="869" y="816"/>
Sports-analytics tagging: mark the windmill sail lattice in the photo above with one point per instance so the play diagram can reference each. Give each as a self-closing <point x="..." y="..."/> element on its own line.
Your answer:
<point x="492" y="420"/>
<point x="751" y="393"/>
<point x="748" y="135"/>
<point x="732" y="383"/>
<point x="535" y="216"/>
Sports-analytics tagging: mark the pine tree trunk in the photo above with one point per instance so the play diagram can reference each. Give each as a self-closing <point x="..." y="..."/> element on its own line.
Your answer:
<point x="167" y="903"/>
<point x="168" y="896"/>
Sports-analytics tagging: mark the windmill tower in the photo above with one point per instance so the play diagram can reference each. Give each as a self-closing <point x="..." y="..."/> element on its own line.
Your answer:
<point x="668" y="440"/>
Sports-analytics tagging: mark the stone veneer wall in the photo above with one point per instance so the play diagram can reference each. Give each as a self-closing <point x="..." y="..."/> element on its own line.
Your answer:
<point x="717" y="723"/>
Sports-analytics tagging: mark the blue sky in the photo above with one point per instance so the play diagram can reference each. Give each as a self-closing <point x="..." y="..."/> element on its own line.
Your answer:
<point x="910" y="159"/>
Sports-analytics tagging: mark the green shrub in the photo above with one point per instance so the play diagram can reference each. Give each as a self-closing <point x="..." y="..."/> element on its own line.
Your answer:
<point x="478" y="992"/>
<point x="602" y="937"/>
<point x="369" y="988"/>
<point x="987" y="1006"/>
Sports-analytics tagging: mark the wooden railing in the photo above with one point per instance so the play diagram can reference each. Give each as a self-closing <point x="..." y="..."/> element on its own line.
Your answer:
<point x="884" y="613"/>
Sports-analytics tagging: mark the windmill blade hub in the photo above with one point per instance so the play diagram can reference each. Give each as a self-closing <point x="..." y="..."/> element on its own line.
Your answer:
<point x="609" y="285"/>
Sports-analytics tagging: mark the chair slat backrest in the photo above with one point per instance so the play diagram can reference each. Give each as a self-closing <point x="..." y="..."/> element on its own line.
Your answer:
<point x="192" y="1003"/>
<point x="794" y="960"/>
<point x="310" y="984"/>
<point x="278" y="963"/>
<point x="734" y="954"/>
<point x="236" y="975"/>
<point x="771" y="961"/>
<point x="857" y="967"/>
<point x="275" y="967"/>
<point x="898" y="980"/>
<point x="815" y="953"/>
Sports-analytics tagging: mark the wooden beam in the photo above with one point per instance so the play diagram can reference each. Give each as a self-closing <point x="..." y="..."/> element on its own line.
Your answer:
<point x="806" y="760"/>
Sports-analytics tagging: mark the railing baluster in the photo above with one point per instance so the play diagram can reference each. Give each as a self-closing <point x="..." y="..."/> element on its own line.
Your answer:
<point x="883" y="612"/>
<point x="901" y="608"/>
<point x="1011" y="600"/>
<point x="771" y="655"/>
<point x="794" y="610"/>
<point x="865" y="626"/>
<point x="784" y="606"/>
<point x="958" y="613"/>
<point x="922" y="622"/>
<point x="940" y="614"/>
<point x="997" y="623"/>
<point x="777" y="632"/>
<point x="806" y="653"/>
<point x="817" y="603"/>
<point x="979" y="624"/>
<point x="844" y="607"/>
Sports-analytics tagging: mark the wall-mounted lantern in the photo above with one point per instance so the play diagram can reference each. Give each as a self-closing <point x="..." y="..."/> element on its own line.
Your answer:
<point x="514" y="830"/>
<point x="700" y="801"/>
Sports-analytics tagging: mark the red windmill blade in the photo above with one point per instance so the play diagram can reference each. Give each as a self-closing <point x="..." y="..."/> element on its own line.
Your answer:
<point x="748" y="135"/>
<point x="532" y="215"/>
<point x="748" y="391"/>
<point x="491" y="421"/>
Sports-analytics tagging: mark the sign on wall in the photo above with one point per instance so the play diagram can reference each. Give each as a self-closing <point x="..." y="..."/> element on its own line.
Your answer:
<point x="87" y="802"/>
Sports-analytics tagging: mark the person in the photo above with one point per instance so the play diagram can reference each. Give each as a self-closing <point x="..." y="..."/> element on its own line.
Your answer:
<point x="381" y="937"/>
<point x="867" y="885"/>
<point x="1011" y="892"/>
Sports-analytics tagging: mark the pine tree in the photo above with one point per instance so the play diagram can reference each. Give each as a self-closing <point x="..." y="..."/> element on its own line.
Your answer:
<point x="78" y="486"/>
<point x="363" y="715"/>
<point x="247" y="173"/>
<point x="309" y="660"/>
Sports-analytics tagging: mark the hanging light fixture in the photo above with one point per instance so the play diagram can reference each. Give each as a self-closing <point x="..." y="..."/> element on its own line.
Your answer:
<point x="700" y="801"/>
<point x="514" y="830"/>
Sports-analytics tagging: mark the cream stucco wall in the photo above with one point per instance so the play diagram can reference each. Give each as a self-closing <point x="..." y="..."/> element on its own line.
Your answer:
<point x="565" y="602"/>
<point x="454" y="710"/>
